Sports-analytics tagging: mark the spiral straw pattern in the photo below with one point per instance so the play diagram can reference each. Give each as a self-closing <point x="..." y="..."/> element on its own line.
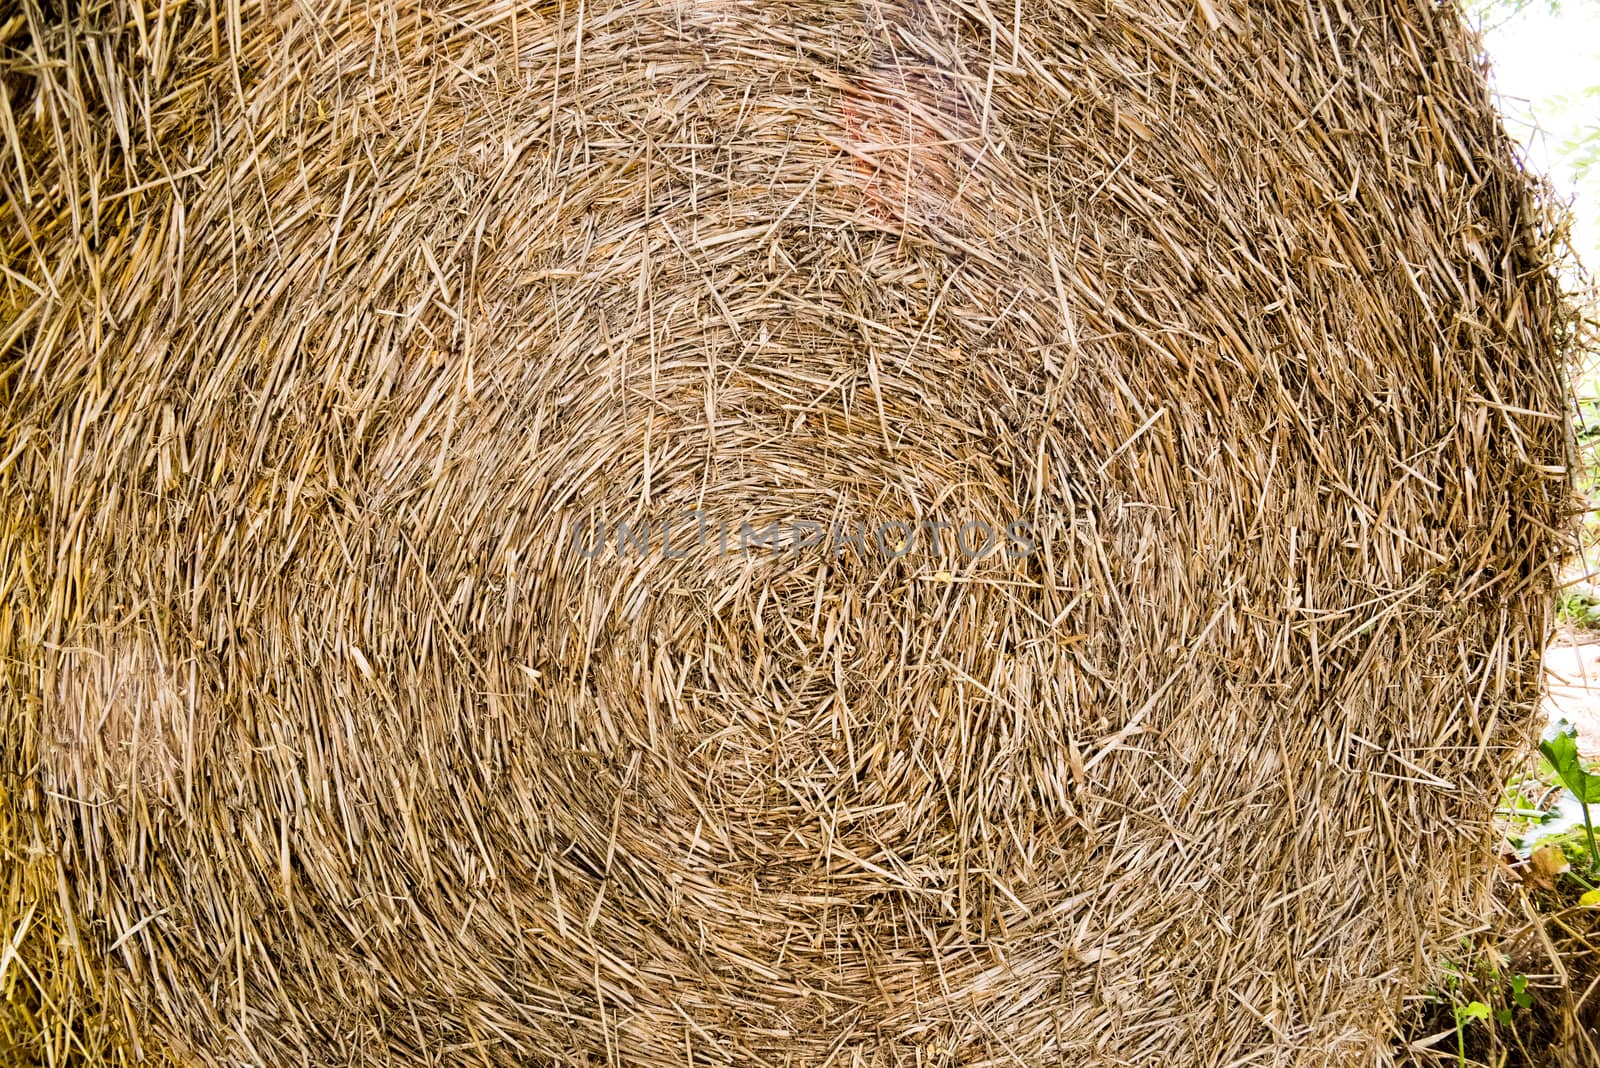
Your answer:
<point x="739" y="533"/>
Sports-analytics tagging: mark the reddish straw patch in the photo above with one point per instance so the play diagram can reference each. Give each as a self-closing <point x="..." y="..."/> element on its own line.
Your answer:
<point x="914" y="144"/>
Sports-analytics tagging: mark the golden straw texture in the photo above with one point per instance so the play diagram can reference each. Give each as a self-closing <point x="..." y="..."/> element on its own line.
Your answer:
<point x="344" y="725"/>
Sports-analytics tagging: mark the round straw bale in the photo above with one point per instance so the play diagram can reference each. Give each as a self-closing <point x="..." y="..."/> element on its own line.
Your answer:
<point x="843" y="532"/>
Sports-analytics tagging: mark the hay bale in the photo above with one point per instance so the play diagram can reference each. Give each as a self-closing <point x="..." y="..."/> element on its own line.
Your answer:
<point x="351" y="718"/>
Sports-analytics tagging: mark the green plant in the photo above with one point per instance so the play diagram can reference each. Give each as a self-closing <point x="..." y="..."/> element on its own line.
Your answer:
<point x="1560" y="747"/>
<point x="1488" y="983"/>
<point x="1578" y="609"/>
<point x="1465" y="1014"/>
<point x="1519" y="993"/>
<point x="1520" y="999"/>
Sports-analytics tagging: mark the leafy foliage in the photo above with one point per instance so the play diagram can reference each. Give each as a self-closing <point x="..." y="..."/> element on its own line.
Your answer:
<point x="1490" y="13"/>
<point x="1559" y="745"/>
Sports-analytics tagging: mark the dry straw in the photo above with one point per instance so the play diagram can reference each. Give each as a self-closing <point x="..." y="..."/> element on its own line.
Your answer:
<point x="329" y="327"/>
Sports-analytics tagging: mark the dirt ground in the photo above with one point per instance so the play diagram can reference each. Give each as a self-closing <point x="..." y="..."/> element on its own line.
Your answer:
<point x="1572" y="669"/>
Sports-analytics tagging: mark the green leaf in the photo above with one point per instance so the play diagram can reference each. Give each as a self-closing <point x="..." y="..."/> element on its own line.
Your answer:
<point x="1519" y="992"/>
<point x="1474" y="1010"/>
<point x="1502" y="1017"/>
<point x="1560" y="746"/>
